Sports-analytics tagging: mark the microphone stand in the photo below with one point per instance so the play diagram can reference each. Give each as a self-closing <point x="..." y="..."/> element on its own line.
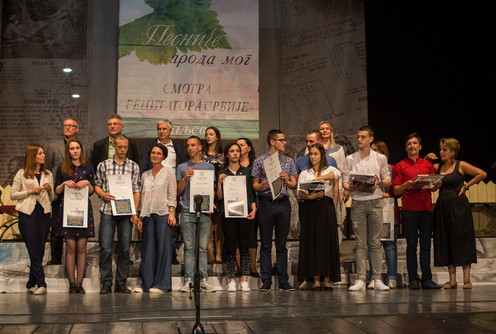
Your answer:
<point x="197" y="328"/>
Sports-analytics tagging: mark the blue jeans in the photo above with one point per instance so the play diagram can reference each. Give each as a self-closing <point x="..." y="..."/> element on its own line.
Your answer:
<point x="108" y="225"/>
<point x="391" y="252"/>
<point x="156" y="253"/>
<point x="418" y="225"/>
<point x="274" y="216"/>
<point x="188" y="229"/>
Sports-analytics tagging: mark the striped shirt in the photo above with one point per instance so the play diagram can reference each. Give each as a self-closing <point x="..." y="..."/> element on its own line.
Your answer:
<point x="111" y="167"/>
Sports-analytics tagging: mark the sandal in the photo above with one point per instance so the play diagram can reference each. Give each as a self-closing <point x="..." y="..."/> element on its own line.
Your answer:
<point x="467" y="285"/>
<point x="449" y="285"/>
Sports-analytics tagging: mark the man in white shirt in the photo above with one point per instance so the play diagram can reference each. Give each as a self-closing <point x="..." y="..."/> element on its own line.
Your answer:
<point x="366" y="206"/>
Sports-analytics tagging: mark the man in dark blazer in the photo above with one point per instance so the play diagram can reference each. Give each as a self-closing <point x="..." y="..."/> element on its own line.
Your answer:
<point x="175" y="151"/>
<point x="103" y="149"/>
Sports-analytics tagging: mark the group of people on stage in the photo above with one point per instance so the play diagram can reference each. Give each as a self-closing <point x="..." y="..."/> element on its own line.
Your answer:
<point x="323" y="178"/>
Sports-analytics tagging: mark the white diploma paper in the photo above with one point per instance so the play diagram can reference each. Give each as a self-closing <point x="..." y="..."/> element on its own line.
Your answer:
<point x="121" y="187"/>
<point x="388" y="219"/>
<point x="272" y="168"/>
<point x="202" y="183"/>
<point x="75" y="207"/>
<point x="235" y="196"/>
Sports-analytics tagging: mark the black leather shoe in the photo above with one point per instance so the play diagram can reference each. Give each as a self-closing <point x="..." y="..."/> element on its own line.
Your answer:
<point x="105" y="290"/>
<point x="415" y="284"/>
<point x="80" y="290"/>
<point x="430" y="284"/>
<point x="72" y="289"/>
<point x="121" y="288"/>
<point x="54" y="262"/>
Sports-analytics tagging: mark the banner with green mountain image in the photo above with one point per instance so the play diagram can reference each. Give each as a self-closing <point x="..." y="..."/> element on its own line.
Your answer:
<point x="194" y="62"/>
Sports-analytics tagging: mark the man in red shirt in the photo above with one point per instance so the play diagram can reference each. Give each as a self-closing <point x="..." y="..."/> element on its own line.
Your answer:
<point x="417" y="212"/>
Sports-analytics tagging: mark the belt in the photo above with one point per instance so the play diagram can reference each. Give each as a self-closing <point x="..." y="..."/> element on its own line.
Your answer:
<point x="278" y="199"/>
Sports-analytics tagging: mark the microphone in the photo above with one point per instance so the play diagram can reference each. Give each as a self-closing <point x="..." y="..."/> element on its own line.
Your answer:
<point x="198" y="199"/>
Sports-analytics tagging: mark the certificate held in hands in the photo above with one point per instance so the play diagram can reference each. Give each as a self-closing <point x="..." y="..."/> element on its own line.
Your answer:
<point x="426" y="181"/>
<point x="312" y="186"/>
<point x="235" y="196"/>
<point x="272" y="168"/>
<point x="75" y="207"/>
<point x="202" y="183"/>
<point x="366" y="180"/>
<point x="120" y="186"/>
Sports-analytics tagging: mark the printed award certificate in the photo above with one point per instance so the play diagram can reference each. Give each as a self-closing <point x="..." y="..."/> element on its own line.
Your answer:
<point x="202" y="183"/>
<point x="235" y="196"/>
<point x="426" y="181"/>
<point x="272" y="168"/>
<point x="120" y="186"/>
<point x="75" y="207"/>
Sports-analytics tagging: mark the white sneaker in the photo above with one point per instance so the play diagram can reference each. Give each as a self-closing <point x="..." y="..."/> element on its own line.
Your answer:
<point x="231" y="286"/>
<point x="359" y="285"/>
<point x="155" y="290"/>
<point x="371" y="284"/>
<point x="245" y="287"/>
<point x="138" y="290"/>
<point x="186" y="285"/>
<point x="303" y="285"/>
<point x="392" y="284"/>
<point x="378" y="285"/>
<point x="205" y="285"/>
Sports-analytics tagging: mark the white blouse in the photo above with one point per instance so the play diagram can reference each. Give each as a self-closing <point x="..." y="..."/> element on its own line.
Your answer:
<point x="308" y="175"/>
<point x="158" y="193"/>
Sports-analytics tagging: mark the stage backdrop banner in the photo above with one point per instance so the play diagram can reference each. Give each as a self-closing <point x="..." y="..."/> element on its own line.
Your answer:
<point x="192" y="62"/>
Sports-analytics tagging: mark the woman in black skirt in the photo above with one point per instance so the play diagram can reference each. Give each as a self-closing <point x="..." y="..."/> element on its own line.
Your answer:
<point x="319" y="245"/>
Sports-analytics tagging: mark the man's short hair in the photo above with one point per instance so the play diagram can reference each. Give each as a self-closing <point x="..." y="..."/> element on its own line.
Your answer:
<point x="197" y="139"/>
<point x="121" y="137"/>
<point x="72" y="119"/>
<point x="316" y="133"/>
<point x="162" y="121"/>
<point x="273" y="134"/>
<point x="367" y="128"/>
<point x="413" y="135"/>
<point x="119" y="117"/>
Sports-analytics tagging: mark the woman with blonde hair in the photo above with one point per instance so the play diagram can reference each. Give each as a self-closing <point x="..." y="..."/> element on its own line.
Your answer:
<point x="454" y="235"/>
<point x="337" y="152"/>
<point x="33" y="190"/>
<point x="75" y="172"/>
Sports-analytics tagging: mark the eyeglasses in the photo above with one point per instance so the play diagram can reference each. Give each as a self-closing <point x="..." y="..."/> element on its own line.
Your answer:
<point x="281" y="140"/>
<point x="121" y="147"/>
<point x="70" y="126"/>
<point x="114" y="124"/>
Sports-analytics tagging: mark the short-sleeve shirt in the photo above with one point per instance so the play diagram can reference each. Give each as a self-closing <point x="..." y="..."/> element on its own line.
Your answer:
<point x="111" y="167"/>
<point x="181" y="170"/>
<point x="258" y="170"/>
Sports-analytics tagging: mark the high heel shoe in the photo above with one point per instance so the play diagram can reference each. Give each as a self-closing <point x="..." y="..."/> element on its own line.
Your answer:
<point x="467" y="285"/>
<point x="449" y="285"/>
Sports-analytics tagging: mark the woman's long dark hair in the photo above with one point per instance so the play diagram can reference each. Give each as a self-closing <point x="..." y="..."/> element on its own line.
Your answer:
<point x="218" y="144"/>
<point x="323" y="159"/>
<point x="226" y="151"/>
<point x="251" y="153"/>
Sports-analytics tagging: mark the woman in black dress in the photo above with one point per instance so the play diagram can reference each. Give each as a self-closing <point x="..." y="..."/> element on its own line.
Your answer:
<point x="75" y="172"/>
<point x="454" y="235"/>
<point x="319" y="244"/>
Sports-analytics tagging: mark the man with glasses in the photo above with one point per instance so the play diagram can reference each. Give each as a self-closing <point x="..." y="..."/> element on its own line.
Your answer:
<point x="104" y="148"/>
<point x="54" y="157"/>
<point x="119" y="164"/>
<point x="274" y="214"/>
